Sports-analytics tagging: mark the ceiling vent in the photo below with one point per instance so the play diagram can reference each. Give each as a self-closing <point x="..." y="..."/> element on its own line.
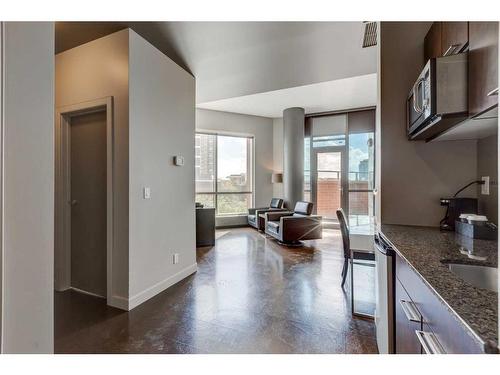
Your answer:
<point x="370" y="37"/>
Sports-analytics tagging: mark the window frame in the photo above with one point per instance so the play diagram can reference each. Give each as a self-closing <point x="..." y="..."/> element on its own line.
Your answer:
<point x="250" y="168"/>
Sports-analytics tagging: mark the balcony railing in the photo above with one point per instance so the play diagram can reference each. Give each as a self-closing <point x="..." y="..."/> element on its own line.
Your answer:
<point x="353" y="176"/>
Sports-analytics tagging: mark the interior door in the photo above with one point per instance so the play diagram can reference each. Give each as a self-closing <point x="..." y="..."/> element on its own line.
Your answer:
<point x="328" y="174"/>
<point x="88" y="202"/>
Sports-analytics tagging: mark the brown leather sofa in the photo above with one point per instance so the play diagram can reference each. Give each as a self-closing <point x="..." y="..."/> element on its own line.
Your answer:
<point x="290" y="228"/>
<point x="253" y="213"/>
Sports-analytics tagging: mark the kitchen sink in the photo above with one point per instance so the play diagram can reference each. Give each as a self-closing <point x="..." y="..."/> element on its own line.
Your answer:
<point x="479" y="276"/>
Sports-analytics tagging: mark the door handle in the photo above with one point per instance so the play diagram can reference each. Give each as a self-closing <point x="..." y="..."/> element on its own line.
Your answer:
<point x="416" y="105"/>
<point x="74" y="202"/>
<point x="451" y="49"/>
<point x="414" y="100"/>
<point x="429" y="342"/>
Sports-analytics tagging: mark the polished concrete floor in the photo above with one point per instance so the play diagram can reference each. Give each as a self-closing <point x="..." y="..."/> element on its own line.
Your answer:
<point x="250" y="295"/>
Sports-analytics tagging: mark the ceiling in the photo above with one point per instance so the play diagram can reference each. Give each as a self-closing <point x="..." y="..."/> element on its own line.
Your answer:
<point x="341" y="94"/>
<point x="234" y="59"/>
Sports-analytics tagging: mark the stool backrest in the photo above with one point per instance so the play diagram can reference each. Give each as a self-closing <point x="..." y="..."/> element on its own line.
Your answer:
<point x="344" y="229"/>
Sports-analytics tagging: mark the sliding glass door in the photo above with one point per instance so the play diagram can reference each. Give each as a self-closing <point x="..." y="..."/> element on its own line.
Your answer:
<point x="339" y="165"/>
<point x="328" y="182"/>
<point x="328" y="172"/>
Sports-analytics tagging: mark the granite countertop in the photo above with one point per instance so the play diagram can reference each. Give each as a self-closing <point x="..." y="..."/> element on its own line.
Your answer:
<point x="428" y="250"/>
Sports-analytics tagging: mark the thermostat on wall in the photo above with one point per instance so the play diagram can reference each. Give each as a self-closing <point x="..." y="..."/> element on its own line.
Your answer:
<point x="179" y="161"/>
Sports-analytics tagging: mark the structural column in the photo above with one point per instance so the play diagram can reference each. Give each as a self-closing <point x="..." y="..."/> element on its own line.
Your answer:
<point x="293" y="156"/>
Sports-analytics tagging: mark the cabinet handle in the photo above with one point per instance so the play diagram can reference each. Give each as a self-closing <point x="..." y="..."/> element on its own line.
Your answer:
<point x="410" y="311"/>
<point x="493" y="92"/>
<point x="429" y="342"/>
<point x="451" y="49"/>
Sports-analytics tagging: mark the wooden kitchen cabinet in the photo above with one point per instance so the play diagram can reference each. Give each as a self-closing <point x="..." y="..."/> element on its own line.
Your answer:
<point x="445" y="35"/>
<point x="436" y="318"/>
<point x="432" y="42"/>
<point x="454" y="35"/>
<point x="406" y="338"/>
<point x="483" y="66"/>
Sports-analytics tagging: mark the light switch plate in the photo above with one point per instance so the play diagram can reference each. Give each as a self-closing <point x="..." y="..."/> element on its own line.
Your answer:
<point x="485" y="188"/>
<point x="147" y="193"/>
<point x="176" y="258"/>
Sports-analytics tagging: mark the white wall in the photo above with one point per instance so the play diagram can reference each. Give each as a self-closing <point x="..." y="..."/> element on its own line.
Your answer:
<point x="278" y="154"/>
<point x="262" y="130"/>
<point x="162" y="125"/>
<point x="91" y="71"/>
<point x="414" y="175"/>
<point x="1" y="180"/>
<point x="28" y="229"/>
<point x="153" y="103"/>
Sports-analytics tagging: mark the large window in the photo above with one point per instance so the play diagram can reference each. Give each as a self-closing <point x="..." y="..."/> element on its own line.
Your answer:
<point x="361" y="176"/>
<point x="224" y="168"/>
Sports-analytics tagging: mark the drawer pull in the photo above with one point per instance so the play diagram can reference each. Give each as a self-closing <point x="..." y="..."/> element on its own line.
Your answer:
<point x="452" y="49"/>
<point x="410" y="311"/>
<point x="429" y="342"/>
<point x="493" y="92"/>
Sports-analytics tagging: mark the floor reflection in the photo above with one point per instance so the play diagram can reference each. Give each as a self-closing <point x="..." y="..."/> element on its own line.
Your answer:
<point x="250" y="295"/>
<point x="364" y="287"/>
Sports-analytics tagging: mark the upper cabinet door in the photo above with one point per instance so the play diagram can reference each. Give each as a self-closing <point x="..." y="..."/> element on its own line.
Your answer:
<point x="445" y="38"/>
<point x="432" y="42"/>
<point x="454" y="37"/>
<point x="483" y="66"/>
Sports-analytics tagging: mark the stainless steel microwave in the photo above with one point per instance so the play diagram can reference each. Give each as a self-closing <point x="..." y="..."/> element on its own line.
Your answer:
<point x="438" y="99"/>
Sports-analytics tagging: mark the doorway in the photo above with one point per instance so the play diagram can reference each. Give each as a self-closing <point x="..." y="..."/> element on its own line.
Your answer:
<point x="328" y="182"/>
<point x="84" y="198"/>
<point x="88" y="202"/>
<point x="339" y="163"/>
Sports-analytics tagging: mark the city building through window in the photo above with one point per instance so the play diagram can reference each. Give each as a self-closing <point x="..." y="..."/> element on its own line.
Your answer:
<point x="224" y="172"/>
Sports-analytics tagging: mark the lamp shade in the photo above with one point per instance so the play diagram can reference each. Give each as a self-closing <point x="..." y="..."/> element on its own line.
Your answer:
<point x="277" y="178"/>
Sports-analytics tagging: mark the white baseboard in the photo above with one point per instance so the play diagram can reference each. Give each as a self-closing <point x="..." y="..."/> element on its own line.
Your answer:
<point x="87" y="293"/>
<point x="152" y="291"/>
<point x="118" y="302"/>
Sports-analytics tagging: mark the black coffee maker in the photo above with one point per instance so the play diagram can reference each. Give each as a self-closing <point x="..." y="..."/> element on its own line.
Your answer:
<point x="456" y="207"/>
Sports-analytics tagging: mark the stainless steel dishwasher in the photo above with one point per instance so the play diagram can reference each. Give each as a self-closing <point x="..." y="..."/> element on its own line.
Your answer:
<point x="384" y="295"/>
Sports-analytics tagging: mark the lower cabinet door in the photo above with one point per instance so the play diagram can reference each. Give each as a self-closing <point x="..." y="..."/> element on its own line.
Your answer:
<point x="408" y="321"/>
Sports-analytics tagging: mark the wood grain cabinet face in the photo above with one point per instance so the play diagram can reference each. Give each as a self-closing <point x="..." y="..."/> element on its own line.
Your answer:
<point x="406" y="338"/>
<point x="453" y="34"/>
<point x="444" y="37"/>
<point x="432" y="42"/>
<point x="483" y="66"/>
